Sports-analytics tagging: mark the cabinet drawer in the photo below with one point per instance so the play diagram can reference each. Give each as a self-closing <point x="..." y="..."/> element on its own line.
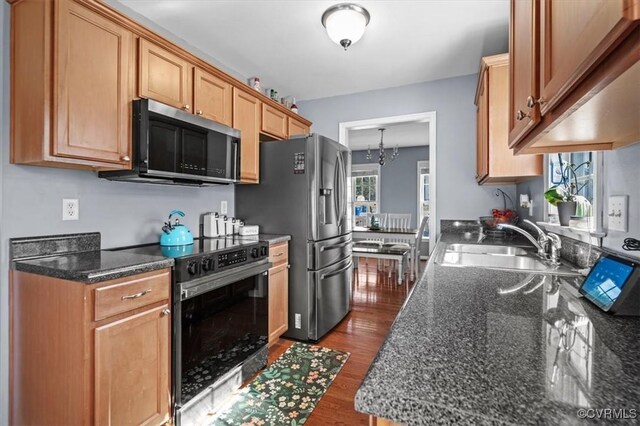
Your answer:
<point x="131" y="294"/>
<point x="279" y="253"/>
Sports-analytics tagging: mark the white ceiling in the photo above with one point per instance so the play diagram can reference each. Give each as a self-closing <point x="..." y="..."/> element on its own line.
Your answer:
<point x="284" y="43"/>
<point x="401" y="134"/>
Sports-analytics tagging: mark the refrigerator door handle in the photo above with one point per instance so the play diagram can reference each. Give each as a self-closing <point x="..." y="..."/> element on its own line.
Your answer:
<point x="343" y="189"/>
<point x="335" y="246"/>
<point x="337" y="196"/>
<point x="344" y="268"/>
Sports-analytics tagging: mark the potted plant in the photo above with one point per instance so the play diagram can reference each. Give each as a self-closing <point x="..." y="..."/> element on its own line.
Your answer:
<point x="565" y="196"/>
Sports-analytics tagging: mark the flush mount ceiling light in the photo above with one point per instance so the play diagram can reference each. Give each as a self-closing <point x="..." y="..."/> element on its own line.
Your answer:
<point x="345" y="23"/>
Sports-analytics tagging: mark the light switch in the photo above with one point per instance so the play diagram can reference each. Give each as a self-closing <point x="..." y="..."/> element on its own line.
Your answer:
<point x="618" y="213"/>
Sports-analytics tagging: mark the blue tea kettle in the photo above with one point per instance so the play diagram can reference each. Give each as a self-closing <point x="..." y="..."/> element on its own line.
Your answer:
<point x="175" y="234"/>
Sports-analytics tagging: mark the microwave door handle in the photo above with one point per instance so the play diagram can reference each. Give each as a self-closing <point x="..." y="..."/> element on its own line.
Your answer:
<point x="236" y="153"/>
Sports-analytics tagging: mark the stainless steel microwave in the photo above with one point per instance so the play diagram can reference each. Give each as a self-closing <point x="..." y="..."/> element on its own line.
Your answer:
<point x="171" y="146"/>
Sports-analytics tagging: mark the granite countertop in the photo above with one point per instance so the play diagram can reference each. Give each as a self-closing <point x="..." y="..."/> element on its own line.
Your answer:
<point x="93" y="266"/>
<point x="269" y="238"/>
<point x="480" y="346"/>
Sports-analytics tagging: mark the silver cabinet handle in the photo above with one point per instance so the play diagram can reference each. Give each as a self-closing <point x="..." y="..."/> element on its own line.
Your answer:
<point x="520" y="115"/>
<point x="278" y="254"/>
<point x="125" y="158"/>
<point x="166" y="312"/>
<point x="199" y="112"/>
<point x="186" y="107"/>
<point x="531" y="102"/>
<point x="135" y="296"/>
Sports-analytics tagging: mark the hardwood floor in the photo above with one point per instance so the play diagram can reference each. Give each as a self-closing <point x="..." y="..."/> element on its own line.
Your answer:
<point x="376" y="302"/>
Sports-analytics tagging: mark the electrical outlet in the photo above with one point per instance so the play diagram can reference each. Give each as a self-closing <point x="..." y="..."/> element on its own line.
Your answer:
<point x="223" y="207"/>
<point x="70" y="209"/>
<point x="298" y="321"/>
<point x="618" y="213"/>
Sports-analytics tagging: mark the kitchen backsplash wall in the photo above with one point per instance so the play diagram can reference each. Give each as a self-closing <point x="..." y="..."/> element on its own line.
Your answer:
<point x="460" y="197"/>
<point x="621" y="177"/>
<point x="398" y="179"/>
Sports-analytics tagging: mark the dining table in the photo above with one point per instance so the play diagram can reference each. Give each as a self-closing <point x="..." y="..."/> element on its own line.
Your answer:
<point x="401" y="235"/>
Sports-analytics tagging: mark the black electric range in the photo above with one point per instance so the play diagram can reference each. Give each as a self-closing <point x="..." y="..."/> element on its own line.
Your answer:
<point x="207" y="256"/>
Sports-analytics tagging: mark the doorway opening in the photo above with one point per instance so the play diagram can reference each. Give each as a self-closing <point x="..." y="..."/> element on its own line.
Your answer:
<point x="395" y="187"/>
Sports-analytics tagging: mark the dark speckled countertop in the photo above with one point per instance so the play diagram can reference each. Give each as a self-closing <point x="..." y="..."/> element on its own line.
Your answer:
<point x="460" y="352"/>
<point x="77" y="257"/>
<point x="93" y="266"/>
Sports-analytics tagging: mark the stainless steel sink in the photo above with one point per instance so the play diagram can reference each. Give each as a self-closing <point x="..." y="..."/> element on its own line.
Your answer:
<point x="514" y="262"/>
<point x="486" y="249"/>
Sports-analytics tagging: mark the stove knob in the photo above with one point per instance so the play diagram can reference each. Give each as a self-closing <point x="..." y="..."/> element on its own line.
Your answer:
<point x="263" y="250"/>
<point x="207" y="264"/>
<point x="193" y="268"/>
<point x="255" y="252"/>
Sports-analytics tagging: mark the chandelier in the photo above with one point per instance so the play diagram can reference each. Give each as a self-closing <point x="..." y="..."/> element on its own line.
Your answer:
<point x="382" y="156"/>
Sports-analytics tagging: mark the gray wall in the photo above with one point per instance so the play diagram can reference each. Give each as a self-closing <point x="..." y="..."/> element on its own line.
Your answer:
<point x="621" y="177"/>
<point x="398" y="179"/>
<point x="458" y="195"/>
<point x="125" y="213"/>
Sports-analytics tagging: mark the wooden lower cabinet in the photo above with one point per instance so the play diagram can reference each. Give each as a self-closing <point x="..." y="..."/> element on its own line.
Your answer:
<point x="278" y="291"/>
<point x="68" y="369"/>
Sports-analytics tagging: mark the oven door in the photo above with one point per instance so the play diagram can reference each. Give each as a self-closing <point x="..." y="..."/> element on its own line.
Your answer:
<point x="221" y="321"/>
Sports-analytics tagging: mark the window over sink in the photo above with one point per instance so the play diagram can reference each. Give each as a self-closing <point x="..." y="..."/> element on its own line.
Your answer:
<point x="586" y="224"/>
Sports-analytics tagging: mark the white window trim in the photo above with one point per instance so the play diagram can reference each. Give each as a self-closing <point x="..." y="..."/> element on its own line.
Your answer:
<point x="365" y="167"/>
<point x="595" y="236"/>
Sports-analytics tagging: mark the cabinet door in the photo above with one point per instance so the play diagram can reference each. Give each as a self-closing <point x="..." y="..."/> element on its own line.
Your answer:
<point x="523" y="72"/>
<point x="93" y="87"/>
<point x="246" y="118"/>
<point x="132" y="370"/>
<point x="274" y="122"/>
<point x="482" y="127"/>
<point x="278" y="302"/>
<point x="211" y="97"/>
<point x="164" y="76"/>
<point x="574" y="36"/>
<point x="296" y="128"/>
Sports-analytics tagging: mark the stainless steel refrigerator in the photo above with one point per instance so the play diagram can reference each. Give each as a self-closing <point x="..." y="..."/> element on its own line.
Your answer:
<point x="304" y="191"/>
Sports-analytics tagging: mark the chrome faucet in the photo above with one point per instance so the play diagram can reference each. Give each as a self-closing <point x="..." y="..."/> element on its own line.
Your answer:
<point x="542" y="251"/>
<point x="548" y="244"/>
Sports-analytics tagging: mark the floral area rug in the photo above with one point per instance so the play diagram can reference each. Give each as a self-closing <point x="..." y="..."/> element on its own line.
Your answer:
<point x="288" y="391"/>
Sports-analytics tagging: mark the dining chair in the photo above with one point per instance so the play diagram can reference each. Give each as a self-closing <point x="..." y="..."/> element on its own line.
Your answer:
<point x="424" y="225"/>
<point x="398" y="220"/>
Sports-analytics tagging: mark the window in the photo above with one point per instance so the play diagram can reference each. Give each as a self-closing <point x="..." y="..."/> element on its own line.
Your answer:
<point x="586" y="181"/>
<point x="365" y="184"/>
<point x="423" y="192"/>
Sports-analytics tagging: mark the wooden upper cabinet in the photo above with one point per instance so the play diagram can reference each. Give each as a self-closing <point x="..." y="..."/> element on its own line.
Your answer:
<point x="164" y="76"/>
<point x="496" y="161"/>
<point x="212" y="97"/>
<point x="574" y="36"/>
<point x="92" y="73"/>
<point x="246" y="118"/>
<point x="274" y="122"/>
<point x="72" y="84"/>
<point x="523" y="73"/>
<point x="132" y="370"/>
<point x="296" y="128"/>
<point x="482" y="123"/>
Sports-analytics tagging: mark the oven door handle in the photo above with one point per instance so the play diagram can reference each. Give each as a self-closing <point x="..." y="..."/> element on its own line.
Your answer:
<point x="213" y="282"/>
